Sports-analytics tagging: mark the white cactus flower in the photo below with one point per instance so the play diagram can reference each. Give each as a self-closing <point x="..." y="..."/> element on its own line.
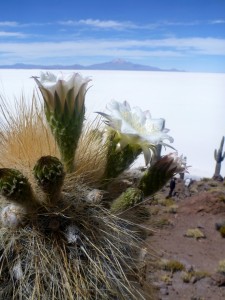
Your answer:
<point x="69" y="88"/>
<point x="136" y="127"/>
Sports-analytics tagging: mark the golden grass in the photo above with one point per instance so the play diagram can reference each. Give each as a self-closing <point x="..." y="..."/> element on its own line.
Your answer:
<point x="25" y="137"/>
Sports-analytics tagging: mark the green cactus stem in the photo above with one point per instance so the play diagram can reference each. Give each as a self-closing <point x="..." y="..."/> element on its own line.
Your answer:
<point x="157" y="176"/>
<point x="16" y="188"/>
<point x="126" y="200"/>
<point x="118" y="160"/>
<point x="49" y="174"/>
<point x="66" y="127"/>
<point x="219" y="157"/>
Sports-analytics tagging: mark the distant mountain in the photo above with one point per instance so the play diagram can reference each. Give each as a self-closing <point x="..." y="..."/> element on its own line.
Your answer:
<point x="42" y="67"/>
<point x="118" y="64"/>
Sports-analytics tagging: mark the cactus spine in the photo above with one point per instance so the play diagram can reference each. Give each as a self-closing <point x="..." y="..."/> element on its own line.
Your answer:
<point x="219" y="157"/>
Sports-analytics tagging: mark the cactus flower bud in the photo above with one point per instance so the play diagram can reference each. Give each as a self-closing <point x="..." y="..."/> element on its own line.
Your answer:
<point x="158" y="174"/>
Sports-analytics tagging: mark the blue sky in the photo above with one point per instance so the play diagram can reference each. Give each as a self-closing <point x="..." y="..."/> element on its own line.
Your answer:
<point x="182" y="34"/>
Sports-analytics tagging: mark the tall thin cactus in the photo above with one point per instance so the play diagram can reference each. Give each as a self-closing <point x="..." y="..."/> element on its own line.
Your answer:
<point x="219" y="157"/>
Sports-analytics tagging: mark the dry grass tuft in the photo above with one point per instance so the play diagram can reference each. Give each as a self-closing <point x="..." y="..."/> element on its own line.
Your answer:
<point x="89" y="256"/>
<point x="195" y="233"/>
<point x="25" y="137"/>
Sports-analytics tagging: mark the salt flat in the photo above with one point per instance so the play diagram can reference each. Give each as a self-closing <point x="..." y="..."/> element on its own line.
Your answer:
<point x="193" y="105"/>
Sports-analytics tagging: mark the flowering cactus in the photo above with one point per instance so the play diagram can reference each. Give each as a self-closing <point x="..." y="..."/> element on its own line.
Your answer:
<point x="65" y="245"/>
<point x="64" y="109"/>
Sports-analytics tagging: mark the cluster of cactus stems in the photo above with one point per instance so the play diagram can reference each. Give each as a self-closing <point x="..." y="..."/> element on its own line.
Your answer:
<point x="16" y="188"/>
<point x="219" y="157"/>
<point x="65" y="119"/>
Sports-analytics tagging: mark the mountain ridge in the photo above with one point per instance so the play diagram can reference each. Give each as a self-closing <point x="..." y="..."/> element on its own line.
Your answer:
<point x="117" y="65"/>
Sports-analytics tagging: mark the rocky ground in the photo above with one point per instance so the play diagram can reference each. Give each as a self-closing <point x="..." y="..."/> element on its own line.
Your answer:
<point x="187" y="246"/>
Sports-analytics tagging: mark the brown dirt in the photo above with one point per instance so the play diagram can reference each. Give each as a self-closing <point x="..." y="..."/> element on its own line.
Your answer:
<point x="201" y="206"/>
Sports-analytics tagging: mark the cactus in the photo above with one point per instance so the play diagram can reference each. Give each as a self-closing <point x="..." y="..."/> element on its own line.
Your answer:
<point x="126" y="200"/>
<point x="158" y="174"/>
<point x="49" y="174"/>
<point x="16" y="188"/>
<point x="64" y="110"/>
<point x="219" y="157"/>
<point x="119" y="159"/>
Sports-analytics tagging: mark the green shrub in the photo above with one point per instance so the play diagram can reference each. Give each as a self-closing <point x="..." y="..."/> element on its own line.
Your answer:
<point x="221" y="267"/>
<point x="172" y="266"/>
<point x="195" y="233"/>
<point x="222" y="231"/>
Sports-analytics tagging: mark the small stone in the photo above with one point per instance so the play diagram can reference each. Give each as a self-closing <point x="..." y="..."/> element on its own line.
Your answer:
<point x="12" y="216"/>
<point x="193" y="279"/>
<point x="95" y="196"/>
<point x="189" y="268"/>
<point x="164" y="291"/>
<point x="218" y="279"/>
<point x="72" y="234"/>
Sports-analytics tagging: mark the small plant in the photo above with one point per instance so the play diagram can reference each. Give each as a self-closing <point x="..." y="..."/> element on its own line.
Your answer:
<point x="167" y="278"/>
<point x="186" y="277"/>
<point x="195" y="233"/>
<point x="222" y="231"/>
<point x="194" y="276"/>
<point x="221" y="267"/>
<point x="166" y="202"/>
<point x="172" y="265"/>
<point x="213" y="184"/>
<point x="221" y="228"/>
<point x="205" y="179"/>
<point x="161" y="223"/>
<point x="172" y="209"/>
<point x="222" y="197"/>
